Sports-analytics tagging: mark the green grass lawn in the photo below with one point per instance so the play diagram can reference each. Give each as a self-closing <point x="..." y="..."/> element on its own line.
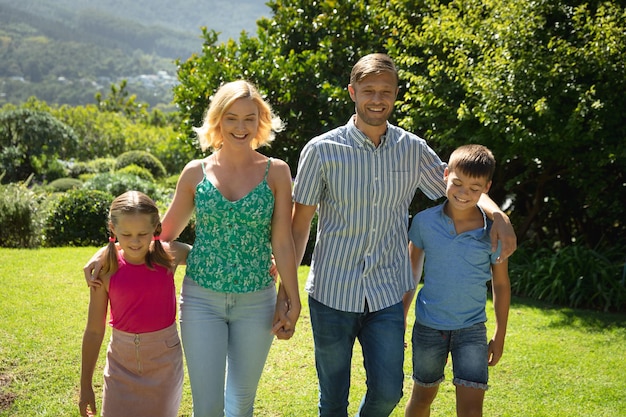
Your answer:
<point x="557" y="361"/>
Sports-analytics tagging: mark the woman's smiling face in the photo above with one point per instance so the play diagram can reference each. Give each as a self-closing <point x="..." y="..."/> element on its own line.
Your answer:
<point x="240" y="122"/>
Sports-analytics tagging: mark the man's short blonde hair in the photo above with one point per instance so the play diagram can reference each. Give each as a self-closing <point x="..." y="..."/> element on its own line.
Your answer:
<point x="372" y="64"/>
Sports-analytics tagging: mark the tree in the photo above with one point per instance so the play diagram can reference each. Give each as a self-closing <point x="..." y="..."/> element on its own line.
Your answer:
<point x="32" y="141"/>
<point x="101" y="133"/>
<point x="539" y="82"/>
<point x="300" y="59"/>
<point x="121" y="101"/>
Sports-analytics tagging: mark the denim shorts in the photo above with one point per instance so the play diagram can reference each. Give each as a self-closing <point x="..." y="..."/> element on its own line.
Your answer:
<point x="469" y="349"/>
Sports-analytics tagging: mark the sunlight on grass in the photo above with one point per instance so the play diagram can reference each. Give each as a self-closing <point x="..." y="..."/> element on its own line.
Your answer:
<point x="557" y="361"/>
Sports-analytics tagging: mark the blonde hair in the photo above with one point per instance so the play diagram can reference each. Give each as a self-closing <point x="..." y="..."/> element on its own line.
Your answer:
<point x="135" y="202"/>
<point x="209" y="135"/>
<point x="475" y="161"/>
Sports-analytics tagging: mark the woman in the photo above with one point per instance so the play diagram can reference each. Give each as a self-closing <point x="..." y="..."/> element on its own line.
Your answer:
<point x="242" y="200"/>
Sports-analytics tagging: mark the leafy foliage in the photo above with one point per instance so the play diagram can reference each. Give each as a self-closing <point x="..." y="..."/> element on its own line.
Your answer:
<point x="32" y="141"/>
<point x="119" y="100"/>
<point x="79" y="218"/>
<point x="65" y="184"/>
<point x="312" y="46"/>
<point x="102" y="165"/>
<point x="540" y="83"/>
<point x="163" y="142"/>
<point x="101" y="133"/>
<point x="21" y="216"/>
<point x="142" y="159"/>
<point x="575" y="276"/>
<point x="118" y="183"/>
<point x="138" y="171"/>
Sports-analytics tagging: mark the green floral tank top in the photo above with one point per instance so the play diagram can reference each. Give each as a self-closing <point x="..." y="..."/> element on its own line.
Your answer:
<point x="232" y="251"/>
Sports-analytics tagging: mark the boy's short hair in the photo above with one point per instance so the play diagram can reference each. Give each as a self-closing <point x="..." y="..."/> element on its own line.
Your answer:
<point x="475" y="161"/>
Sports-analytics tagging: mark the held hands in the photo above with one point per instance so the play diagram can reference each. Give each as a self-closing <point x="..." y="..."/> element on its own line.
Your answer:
<point x="285" y="318"/>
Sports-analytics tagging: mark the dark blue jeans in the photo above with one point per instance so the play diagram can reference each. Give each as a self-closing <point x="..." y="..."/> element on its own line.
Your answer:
<point x="381" y="335"/>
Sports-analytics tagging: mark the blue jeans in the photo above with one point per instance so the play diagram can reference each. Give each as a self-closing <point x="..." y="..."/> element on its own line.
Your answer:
<point x="381" y="335"/>
<point x="226" y="338"/>
<point x="469" y="351"/>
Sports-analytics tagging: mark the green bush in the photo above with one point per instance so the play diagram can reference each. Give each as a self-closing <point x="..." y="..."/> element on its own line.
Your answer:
<point x="143" y="159"/>
<point x="102" y="165"/>
<point x="141" y="172"/>
<point x="118" y="183"/>
<point x="171" y="181"/>
<point x="574" y="276"/>
<point x="79" y="218"/>
<point x="76" y="169"/>
<point x="22" y="215"/>
<point x="65" y="184"/>
<point x="48" y="168"/>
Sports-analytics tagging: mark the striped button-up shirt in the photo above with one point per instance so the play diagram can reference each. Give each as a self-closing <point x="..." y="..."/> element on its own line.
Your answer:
<point x="363" y="194"/>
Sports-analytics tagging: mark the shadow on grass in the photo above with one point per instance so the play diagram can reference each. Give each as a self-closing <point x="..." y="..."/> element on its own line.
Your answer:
<point x="588" y="320"/>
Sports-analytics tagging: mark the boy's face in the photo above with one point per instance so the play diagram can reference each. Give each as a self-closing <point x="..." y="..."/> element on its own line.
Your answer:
<point x="463" y="191"/>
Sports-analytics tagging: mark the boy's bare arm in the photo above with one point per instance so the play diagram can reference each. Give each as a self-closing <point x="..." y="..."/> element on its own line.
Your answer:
<point x="501" y="289"/>
<point x="417" y="265"/>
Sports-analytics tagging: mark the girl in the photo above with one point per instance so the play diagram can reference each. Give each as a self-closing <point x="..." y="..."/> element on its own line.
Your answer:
<point x="143" y="375"/>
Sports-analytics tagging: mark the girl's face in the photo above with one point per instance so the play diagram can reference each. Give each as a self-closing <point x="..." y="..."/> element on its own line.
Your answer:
<point x="134" y="233"/>
<point x="240" y="123"/>
<point x="463" y="191"/>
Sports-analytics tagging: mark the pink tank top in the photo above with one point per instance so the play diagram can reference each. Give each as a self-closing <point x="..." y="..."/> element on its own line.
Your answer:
<point x="142" y="300"/>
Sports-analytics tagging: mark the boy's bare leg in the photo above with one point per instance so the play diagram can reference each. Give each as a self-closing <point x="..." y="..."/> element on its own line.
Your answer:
<point x="469" y="401"/>
<point x="420" y="401"/>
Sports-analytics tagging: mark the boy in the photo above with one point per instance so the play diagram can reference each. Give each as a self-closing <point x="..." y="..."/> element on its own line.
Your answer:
<point x="451" y="241"/>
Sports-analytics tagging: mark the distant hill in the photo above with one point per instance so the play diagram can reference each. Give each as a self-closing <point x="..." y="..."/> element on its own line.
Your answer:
<point x="63" y="51"/>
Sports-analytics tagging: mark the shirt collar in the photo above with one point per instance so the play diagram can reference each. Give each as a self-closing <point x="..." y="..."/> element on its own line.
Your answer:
<point x="361" y="138"/>
<point x="485" y="221"/>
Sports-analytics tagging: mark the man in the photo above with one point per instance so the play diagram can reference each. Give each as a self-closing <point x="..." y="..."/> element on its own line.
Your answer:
<point x="362" y="177"/>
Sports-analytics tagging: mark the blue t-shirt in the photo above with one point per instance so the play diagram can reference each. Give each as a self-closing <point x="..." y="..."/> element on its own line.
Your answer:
<point x="457" y="268"/>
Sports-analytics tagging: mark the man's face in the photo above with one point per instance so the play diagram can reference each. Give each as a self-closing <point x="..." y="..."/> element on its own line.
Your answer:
<point x="374" y="97"/>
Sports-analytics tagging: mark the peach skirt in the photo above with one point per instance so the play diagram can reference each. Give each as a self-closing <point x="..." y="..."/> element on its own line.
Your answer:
<point x="143" y="375"/>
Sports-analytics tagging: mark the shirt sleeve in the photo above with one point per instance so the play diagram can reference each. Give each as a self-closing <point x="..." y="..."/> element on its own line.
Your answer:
<point x="414" y="233"/>
<point x="309" y="181"/>
<point x="431" y="173"/>
<point x="493" y="257"/>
